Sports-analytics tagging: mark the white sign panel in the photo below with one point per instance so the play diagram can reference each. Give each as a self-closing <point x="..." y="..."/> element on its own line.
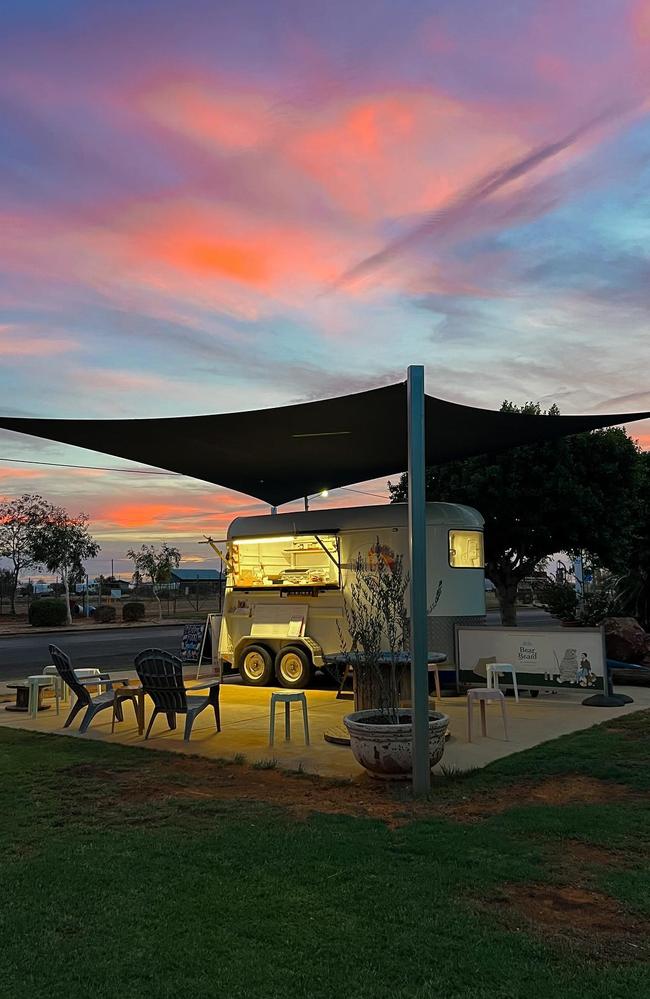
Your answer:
<point x="551" y="657"/>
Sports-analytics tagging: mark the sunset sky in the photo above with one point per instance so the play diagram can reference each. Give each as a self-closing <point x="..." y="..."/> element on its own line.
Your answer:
<point x="210" y="206"/>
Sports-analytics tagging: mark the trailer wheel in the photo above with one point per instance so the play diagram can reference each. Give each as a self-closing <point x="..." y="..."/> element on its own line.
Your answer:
<point x="256" y="666"/>
<point x="293" y="667"/>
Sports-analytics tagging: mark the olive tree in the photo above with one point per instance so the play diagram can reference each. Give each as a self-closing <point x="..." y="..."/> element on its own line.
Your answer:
<point x="156" y="565"/>
<point x="61" y="543"/>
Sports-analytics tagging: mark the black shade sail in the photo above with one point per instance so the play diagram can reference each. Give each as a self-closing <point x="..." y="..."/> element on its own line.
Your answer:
<point x="278" y="455"/>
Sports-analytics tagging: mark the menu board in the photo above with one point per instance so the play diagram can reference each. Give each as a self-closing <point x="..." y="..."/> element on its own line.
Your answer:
<point x="192" y="641"/>
<point x="200" y="643"/>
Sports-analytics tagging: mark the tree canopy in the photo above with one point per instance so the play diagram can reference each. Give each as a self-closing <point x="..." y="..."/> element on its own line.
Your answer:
<point x="156" y="564"/>
<point x="633" y="589"/>
<point x="576" y="493"/>
<point x="61" y="543"/>
<point x="19" y="517"/>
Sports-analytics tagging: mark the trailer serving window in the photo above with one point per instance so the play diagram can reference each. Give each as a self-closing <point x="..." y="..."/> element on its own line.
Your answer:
<point x="304" y="560"/>
<point x="466" y="550"/>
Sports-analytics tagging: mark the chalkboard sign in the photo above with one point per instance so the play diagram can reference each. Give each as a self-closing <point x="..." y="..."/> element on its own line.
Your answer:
<point x="200" y="644"/>
<point x="192" y="641"/>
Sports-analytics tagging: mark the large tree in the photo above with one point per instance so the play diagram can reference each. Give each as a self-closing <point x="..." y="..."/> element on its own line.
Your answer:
<point x="577" y="493"/>
<point x="61" y="543"/>
<point x="633" y="587"/>
<point x="156" y="564"/>
<point x="19" y="518"/>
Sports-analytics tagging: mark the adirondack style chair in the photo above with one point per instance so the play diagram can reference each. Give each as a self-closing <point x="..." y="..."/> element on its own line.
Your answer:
<point x="161" y="676"/>
<point x="93" y="705"/>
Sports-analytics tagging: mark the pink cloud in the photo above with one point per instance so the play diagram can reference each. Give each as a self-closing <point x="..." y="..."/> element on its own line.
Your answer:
<point x="19" y="473"/>
<point x="14" y="343"/>
<point x="112" y="380"/>
<point x="212" y="117"/>
<point x="394" y="153"/>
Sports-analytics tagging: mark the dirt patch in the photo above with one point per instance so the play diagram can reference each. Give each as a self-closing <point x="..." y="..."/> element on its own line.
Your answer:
<point x="196" y="779"/>
<point x="595" y="923"/>
<point x="586" y="855"/>
<point x="564" y="790"/>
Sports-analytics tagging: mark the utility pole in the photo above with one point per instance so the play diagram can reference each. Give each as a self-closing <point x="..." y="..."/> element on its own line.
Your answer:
<point x="418" y="585"/>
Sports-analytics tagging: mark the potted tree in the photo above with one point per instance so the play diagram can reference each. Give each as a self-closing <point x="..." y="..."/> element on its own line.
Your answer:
<point x="377" y="645"/>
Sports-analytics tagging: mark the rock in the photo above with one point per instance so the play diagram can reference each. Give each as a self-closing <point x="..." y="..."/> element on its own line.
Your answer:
<point x="645" y="658"/>
<point x="625" y="639"/>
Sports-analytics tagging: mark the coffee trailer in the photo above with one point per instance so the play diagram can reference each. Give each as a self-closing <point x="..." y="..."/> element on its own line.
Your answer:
<point x="288" y="574"/>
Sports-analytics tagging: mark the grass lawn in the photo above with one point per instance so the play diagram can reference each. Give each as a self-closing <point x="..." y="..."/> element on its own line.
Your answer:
<point x="128" y="873"/>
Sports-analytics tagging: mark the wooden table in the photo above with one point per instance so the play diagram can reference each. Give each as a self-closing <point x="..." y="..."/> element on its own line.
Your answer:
<point x="122" y="692"/>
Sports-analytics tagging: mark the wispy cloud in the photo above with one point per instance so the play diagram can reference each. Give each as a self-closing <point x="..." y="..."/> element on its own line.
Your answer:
<point x="461" y="206"/>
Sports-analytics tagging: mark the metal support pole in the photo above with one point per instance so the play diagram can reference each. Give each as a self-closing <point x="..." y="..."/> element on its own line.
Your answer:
<point x="306" y="502"/>
<point x="418" y="582"/>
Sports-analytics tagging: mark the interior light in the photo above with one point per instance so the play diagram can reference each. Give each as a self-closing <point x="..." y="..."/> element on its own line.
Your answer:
<point x="262" y="541"/>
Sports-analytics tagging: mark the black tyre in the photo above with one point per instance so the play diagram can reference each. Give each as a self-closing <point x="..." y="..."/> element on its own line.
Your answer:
<point x="256" y="666"/>
<point x="293" y="667"/>
<point x="534" y="693"/>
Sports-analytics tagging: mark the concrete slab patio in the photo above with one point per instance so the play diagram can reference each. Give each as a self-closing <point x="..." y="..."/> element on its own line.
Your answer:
<point x="245" y="728"/>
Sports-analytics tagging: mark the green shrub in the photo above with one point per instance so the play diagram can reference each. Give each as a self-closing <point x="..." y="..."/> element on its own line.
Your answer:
<point x="47" y="613"/>
<point x="559" y="599"/>
<point x="105" y="614"/>
<point x="133" y="611"/>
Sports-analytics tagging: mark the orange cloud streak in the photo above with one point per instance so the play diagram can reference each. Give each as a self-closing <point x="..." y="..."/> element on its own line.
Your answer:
<point x="144" y="514"/>
<point x="20" y="473"/>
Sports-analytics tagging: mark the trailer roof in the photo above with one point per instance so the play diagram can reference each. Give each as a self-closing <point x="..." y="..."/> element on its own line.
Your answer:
<point x="278" y="455"/>
<point x="351" y="518"/>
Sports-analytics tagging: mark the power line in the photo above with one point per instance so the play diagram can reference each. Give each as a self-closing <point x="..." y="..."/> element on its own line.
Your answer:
<point x="94" y="468"/>
<point x="364" y="492"/>
<point x="145" y="471"/>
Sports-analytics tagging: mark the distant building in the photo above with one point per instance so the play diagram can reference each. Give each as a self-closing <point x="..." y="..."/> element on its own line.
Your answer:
<point x="194" y="583"/>
<point x="189" y="576"/>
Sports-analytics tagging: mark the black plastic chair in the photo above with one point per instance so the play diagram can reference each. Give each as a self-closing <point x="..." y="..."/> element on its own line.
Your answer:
<point x="93" y="705"/>
<point x="161" y="676"/>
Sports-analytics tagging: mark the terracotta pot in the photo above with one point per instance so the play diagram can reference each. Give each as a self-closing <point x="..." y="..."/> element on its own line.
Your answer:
<point x="386" y="750"/>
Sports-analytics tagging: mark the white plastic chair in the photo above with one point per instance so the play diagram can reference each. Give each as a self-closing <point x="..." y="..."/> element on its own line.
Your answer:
<point x="495" y="670"/>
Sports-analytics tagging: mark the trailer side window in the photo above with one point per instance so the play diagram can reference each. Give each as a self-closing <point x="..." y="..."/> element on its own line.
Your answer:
<point x="466" y="549"/>
<point x="285" y="562"/>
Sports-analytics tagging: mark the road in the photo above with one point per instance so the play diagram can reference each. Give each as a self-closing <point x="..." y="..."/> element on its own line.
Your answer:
<point x="27" y="654"/>
<point x="527" y="617"/>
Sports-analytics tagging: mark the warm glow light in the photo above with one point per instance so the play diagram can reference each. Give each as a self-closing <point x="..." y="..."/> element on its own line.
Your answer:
<point x="324" y="492"/>
<point x="262" y="541"/>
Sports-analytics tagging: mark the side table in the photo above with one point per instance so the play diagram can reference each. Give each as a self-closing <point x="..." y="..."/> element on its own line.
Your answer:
<point x="125" y="692"/>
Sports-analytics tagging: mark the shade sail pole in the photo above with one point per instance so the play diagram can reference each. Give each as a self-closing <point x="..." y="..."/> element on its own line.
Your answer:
<point x="418" y="582"/>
